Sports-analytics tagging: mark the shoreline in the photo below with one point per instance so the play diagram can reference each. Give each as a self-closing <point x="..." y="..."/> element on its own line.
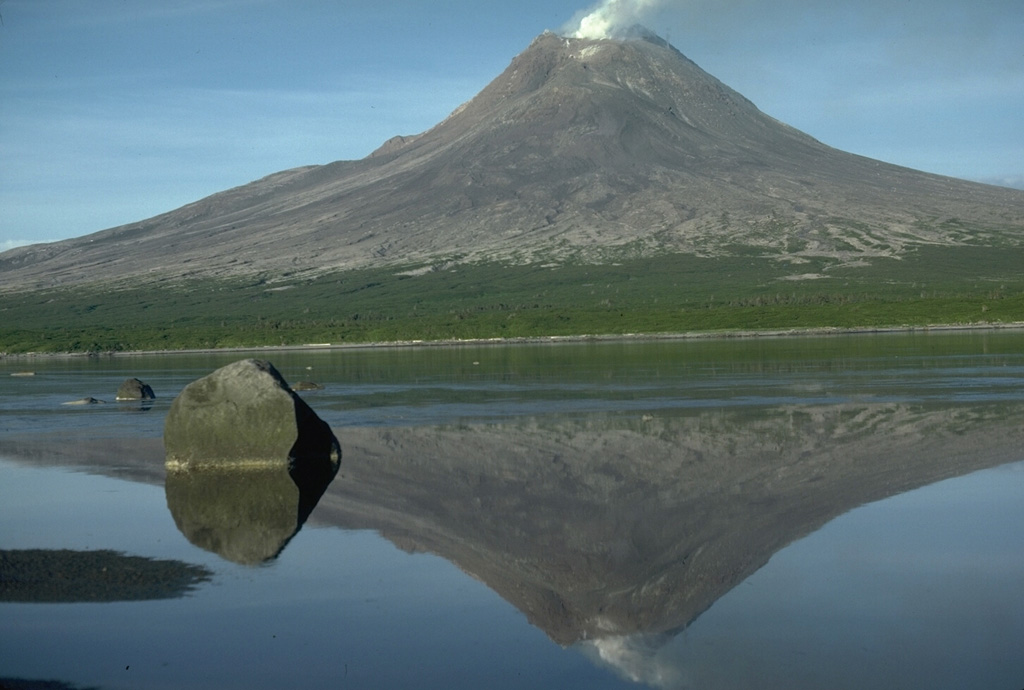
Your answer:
<point x="541" y="340"/>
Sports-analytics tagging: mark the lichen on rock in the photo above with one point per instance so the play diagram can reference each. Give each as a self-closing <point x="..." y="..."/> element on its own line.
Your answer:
<point x="245" y="413"/>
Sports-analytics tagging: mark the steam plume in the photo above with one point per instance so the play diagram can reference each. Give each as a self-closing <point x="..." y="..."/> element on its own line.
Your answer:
<point x="609" y="17"/>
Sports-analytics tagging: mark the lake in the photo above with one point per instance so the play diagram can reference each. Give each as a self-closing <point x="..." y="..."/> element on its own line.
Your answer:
<point x="808" y="512"/>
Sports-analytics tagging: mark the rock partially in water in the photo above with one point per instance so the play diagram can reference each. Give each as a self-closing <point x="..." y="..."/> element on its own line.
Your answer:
<point x="84" y="401"/>
<point x="134" y="389"/>
<point x="246" y="414"/>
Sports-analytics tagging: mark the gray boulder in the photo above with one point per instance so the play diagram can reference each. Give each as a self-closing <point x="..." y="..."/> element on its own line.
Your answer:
<point x="134" y="389"/>
<point x="245" y="414"/>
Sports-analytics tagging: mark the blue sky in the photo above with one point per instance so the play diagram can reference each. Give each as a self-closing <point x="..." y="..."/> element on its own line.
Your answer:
<point x="113" y="111"/>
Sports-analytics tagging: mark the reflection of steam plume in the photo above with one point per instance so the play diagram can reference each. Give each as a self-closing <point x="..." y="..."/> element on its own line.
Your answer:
<point x="608" y="18"/>
<point x="635" y="657"/>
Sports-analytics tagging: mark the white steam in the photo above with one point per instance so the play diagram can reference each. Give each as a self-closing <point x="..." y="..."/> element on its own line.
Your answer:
<point x="609" y="17"/>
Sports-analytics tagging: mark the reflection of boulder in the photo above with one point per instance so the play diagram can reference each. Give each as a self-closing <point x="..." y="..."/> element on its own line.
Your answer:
<point x="134" y="389"/>
<point x="245" y="413"/>
<point x="245" y="514"/>
<point x="614" y="526"/>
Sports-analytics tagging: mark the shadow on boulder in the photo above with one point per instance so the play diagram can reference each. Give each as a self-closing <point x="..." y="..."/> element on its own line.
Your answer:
<point x="245" y="413"/>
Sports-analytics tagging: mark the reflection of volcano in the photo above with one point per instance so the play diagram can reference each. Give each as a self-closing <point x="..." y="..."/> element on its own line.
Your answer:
<point x="612" y="527"/>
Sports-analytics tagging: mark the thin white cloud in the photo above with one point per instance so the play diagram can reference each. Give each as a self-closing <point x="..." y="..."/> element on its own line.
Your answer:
<point x="1011" y="181"/>
<point x="76" y="15"/>
<point x="176" y="145"/>
<point x="940" y="90"/>
<point x="13" y="244"/>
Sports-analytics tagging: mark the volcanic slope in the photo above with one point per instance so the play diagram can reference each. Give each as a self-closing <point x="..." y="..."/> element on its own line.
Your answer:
<point x="581" y="150"/>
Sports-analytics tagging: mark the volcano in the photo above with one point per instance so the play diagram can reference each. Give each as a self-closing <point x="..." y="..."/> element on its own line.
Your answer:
<point x="581" y="150"/>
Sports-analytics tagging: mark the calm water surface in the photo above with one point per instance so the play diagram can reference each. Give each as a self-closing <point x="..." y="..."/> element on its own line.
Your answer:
<point x="842" y="512"/>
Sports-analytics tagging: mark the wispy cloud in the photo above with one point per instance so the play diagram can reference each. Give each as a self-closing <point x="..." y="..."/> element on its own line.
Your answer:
<point x="73" y="14"/>
<point x="1012" y="181"/>
<point x="151" y="154"/>
<point x="13" y="244"/>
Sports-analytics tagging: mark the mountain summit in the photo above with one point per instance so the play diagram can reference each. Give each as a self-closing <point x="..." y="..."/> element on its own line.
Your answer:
<point x="580" y="150"/>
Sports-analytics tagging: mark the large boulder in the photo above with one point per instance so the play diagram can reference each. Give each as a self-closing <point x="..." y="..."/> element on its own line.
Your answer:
<point x="246" y="414"/>
<point x="134" y="389"/>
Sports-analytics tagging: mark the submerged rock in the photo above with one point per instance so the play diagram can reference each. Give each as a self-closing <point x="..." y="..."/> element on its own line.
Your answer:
<point x="246" y="414"/>
<point x="134" y="389"/>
